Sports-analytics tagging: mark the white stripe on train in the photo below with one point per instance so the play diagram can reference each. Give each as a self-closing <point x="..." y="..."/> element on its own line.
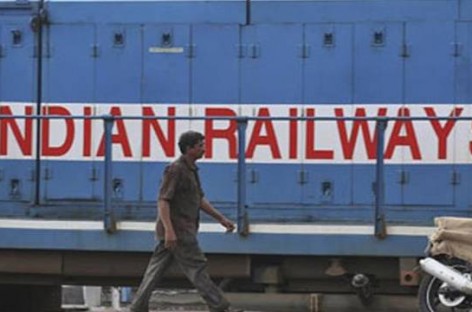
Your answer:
<point x="257" y="228"/>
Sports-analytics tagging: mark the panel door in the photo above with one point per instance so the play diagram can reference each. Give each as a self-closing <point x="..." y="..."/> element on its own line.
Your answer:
<point x="329" y="173"/>
<point x="364" y="171"/>
<point x="463" y="64"/>
<point x="69" y="74"/>
<point x="271" y="70"/>
<point x="119" y="64"/>
<point x="378" y="65"/>
<point x="17" y="97"/>
<point x="18" y="71"/>
<point x="273" y="176"/>
<point x="126" y="152"/>
<point x="429" y="78"/>
<point x="328" y="64"/>
<point x="17" y="153"/>
<point x="436" y="172"/>
<point x="429" y="68"/>
<point x="463" y="69"/>
<point x="166" y="75"/>
<point x="215" y="65"/>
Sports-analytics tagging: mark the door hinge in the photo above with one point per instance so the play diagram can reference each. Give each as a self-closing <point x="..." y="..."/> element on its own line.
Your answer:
<point x="95" y="50"/>
<point x="455" y="178"/>
<point x="456" y="48"/>
<point x="302" y="177"/>
<point x="405" y="50"/>
<point x="403" y="177"/>
<point x="191" y="50"/>
<point x="304" y="51"/>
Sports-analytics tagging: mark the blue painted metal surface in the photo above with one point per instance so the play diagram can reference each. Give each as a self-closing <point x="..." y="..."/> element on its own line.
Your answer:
<point x="215" y="64"/>
<point x="137" y="12"/>
<point x="463" y="76"/>
<point x="426" y="79"/>
<point x="271" y="51"/>
<point x="18" y="63"/>
<point x="300" y="53"/>
<point x="137" y="241"/>
<point x="378" y="68"/>
<point x="328" y="46"/>
<point x="166" y="64"/>
<point x="118" y="46"/>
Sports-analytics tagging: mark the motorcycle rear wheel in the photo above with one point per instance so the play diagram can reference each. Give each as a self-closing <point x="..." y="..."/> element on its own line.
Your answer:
<point x="429" y="299"/>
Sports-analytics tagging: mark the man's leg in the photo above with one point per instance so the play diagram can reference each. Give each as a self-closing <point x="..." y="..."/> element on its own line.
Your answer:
<point x="194" y="265"/>
<point x="160" y="260"/>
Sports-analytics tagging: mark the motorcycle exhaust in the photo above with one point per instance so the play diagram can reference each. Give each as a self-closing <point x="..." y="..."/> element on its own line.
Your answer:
<point x="447" y="274"/>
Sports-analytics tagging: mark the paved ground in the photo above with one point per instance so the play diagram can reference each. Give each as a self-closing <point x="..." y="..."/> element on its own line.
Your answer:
<point x="329" y="303"/>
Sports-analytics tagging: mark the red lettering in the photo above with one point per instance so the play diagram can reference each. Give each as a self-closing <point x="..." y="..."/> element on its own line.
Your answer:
<point x="311" y="152"/>
<point x="24" y="140"/>
<point x="348" y="144"/>
<point x="442" y="132"/>
<point x="168" y="145"/>
<point x="409" y="139"/>
<point x="257" y="139"/>
<point x="46" y="148"/>
<point x="293" y="136"/>
<point x="87" y="148"/>
<point x="120" y="138"/>
<point x="228" y="134"/>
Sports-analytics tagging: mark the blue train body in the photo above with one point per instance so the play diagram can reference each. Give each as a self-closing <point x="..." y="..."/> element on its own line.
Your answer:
<point x="309" y="183"/>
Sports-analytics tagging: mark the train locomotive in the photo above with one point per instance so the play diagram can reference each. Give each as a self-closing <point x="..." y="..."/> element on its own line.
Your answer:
<point x="335" y="132"/>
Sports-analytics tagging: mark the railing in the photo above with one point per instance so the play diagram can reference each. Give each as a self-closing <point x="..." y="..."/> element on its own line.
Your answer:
<point x="109" y="221"/>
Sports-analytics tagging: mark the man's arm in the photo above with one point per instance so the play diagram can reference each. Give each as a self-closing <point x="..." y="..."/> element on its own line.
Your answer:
<point x="164" y="214"/>
<point x="210" y="210"/>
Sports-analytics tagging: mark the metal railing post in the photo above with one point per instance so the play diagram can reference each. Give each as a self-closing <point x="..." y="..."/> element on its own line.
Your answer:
<point x="242" y="218"/>
<point x="380" y="226"/>
<point x="109" y="222"/>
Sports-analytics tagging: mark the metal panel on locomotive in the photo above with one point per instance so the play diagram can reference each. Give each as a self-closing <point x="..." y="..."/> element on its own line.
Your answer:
<point x="352" y="118"/>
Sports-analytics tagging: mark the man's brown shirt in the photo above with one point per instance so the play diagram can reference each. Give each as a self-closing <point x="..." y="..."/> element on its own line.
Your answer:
<point x="181" y="188"/>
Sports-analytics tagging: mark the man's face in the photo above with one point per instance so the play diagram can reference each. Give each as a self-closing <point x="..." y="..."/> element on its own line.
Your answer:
<point x="197" y="151"/>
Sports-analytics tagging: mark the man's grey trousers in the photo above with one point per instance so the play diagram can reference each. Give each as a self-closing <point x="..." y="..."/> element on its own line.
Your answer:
<point x="192" y="262"/>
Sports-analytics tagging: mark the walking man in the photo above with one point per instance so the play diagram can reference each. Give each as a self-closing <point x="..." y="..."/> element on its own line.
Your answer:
<point x="179" y="202"/>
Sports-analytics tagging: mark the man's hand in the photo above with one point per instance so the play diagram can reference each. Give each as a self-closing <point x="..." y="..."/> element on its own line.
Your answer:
<point x="228" y="224"/>
<point x="171" y="239"/>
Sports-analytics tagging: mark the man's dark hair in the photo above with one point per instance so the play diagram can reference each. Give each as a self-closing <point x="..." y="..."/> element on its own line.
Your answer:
<point x="189" y="139"/>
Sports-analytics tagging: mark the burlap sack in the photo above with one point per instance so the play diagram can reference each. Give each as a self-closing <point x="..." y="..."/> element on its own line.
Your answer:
<point x="453" y="237"/>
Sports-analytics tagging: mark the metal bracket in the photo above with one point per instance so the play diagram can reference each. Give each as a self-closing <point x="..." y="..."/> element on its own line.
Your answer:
<point x="380" y="230"/>
<point x="241" y="50"/>
<point x="456" y="48"/>
<point x="191" y="50"/>
<point x="304" y="51"/>
<point x="403" y="177"/>
<point x="32" y="175"/>
<point x="455" y="178"/>
<point x="253" y="176"/>
<point x="405" y="50"/>
<point x="255" y="51"/>
<point x="94" y="174"/>
<point x="95" y="50"/>
<point x="48" y="173"/>
<point x="302" y="177"/>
